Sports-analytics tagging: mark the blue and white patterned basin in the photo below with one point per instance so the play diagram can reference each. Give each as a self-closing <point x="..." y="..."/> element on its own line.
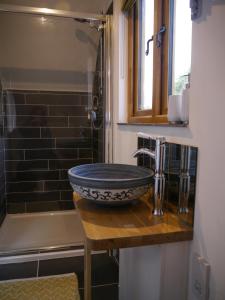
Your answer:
<point x="112" y="184"/>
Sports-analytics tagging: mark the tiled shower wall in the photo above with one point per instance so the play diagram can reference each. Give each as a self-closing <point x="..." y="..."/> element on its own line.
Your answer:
<point x="46" y="133"/>
<point x="2" y="169"/>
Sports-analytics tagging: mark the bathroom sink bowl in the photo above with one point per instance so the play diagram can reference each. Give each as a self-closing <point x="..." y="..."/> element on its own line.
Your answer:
<point x="110" y="184"/>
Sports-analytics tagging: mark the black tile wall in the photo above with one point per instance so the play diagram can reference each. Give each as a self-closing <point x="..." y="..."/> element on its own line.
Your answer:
<point x="105" y="273"/>
<point x="104" y="268"/>
<point x="68" y="110"/>
<point x="172" y="174"/>
<point x="15" y="271"/>
<point x="67" y="163"/>
<point x="34" y="197"/>
<point x="27" y="165"/>
<point x="2" y="158"/>
<point x="45" y="134"/>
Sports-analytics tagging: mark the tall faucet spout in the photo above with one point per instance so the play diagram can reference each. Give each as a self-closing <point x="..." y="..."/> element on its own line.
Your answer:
<point x="144" y="151"/>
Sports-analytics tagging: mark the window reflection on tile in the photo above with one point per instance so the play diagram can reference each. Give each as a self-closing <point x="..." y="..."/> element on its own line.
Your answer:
<point x="180" y="174"/>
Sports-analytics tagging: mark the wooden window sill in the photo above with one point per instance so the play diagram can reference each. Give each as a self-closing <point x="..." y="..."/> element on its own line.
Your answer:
<point x="159" y="120"/>
<point x="153" y="124"/>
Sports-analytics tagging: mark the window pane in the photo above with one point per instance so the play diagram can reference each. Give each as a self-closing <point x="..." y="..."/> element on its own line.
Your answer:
<point x="146" y="65"/>
<point x="182" y="44"/>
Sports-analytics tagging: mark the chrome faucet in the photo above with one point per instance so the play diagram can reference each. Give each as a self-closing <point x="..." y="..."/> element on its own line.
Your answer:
<point x="159" y="188"/>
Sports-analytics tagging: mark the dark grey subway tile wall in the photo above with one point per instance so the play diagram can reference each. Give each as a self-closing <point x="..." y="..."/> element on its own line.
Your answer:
<point x="41" y="121"/>
<point x="34" y="197"/>
<point x="76" y="142"/>
<point x="65" y="164"/>
<point x="72" y="132"/>
<point x="26" y="110"/>
<point x="29" y="143"/>
<point x="59" y="110"/>
<point x="2" y="163"/>
<point x="46" y="133"/>
<point x="26" y="165"/>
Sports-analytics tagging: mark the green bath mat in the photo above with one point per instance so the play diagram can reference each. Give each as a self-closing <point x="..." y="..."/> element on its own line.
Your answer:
<point x="60" y="287"/>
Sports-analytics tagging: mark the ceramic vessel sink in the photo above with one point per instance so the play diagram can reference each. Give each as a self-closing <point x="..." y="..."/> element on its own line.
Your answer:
<point x="111" y="184"/>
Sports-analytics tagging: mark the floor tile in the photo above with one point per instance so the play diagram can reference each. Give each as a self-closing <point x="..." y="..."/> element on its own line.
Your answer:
<point x="63" y="266"/>
<point x="104" y="268"/>
<point x="20" y="270"/>
<point x="107" y="292"/>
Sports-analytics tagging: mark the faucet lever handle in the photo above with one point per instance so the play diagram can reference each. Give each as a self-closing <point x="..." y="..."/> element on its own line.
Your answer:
<point x="143" y="151"/>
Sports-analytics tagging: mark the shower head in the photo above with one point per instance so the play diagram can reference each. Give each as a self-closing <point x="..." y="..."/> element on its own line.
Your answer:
<point x="98" y="25"/>
<point x="82" y="20"/>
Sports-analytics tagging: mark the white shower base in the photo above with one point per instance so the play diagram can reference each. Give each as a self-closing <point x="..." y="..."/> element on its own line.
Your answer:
<point x="38" y="231"/>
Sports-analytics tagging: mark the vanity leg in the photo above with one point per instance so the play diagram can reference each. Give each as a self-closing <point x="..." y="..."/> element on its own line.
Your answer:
<point x="87" y="273"/>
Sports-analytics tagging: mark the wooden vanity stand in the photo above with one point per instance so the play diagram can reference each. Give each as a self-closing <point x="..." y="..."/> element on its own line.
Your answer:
<point x="126" y="226"/>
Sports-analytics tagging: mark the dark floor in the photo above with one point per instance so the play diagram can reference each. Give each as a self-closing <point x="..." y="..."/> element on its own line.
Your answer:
<point x="104" y="273"/>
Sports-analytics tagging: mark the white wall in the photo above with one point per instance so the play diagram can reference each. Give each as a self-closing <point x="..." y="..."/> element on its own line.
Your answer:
<point x="207" y="123"/>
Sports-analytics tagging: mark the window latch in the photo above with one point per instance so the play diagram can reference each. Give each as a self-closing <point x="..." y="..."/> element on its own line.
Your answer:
<point x="148" y="42"/>
<point x="158" y="39"/>
<point x="159" y="36"/>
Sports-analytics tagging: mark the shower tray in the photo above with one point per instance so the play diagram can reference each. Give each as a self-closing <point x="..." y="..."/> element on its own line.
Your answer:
<point x="40" y="231"/>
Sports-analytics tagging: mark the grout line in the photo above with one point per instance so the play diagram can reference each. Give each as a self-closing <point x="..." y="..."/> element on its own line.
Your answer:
<point x="46" y="148"/>
<point x="47" y="138"/>
<point x="36" y="170"/>
<point x="102" y="285"/>
<point x="35" y="192"/>
<point x="38" y="263"/>
<point x="36" y="181"/>
<point x="47" y="104"/>
<point x="4" y="153"/>
<point x="48" y="92"/>
<point x="44" y="159"/>
<point x="61" y="116"/>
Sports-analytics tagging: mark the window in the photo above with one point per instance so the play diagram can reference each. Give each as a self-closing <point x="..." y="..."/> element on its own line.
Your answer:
<point x="159" y="37"/>
<point x="182" y="36"/>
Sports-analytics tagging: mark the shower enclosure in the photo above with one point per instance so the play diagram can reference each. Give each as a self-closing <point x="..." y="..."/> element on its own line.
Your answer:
<point x="55" y="101"/>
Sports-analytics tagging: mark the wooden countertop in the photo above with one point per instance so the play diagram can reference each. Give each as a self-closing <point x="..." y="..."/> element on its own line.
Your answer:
<point x="129" y="226"/>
